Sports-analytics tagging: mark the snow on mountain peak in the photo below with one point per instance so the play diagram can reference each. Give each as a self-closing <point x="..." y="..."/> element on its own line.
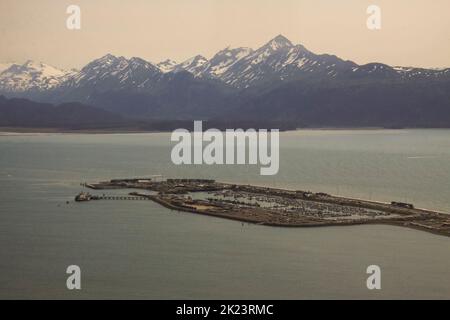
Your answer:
<point x="225" y="59"/>
<point x="279" y="42"/>
<point x="277" y="60"/>
<point x="167" y="65"/>
<point x="31" y="76"/>
<point x="136" y="63"/>
<point x="198" y="60"/>
<point x="194" y="65"/>
<point x="107" y="58"/>
<point x="111" y="72"/>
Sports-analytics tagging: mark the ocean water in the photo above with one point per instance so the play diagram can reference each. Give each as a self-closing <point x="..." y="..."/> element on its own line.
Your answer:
<point x="137" y="249"/>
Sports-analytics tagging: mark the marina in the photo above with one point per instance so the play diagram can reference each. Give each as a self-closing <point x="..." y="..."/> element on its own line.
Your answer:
<point x="270" y="206"/>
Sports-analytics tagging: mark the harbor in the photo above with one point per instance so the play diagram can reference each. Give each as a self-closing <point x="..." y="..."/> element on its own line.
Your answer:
<point x="269" y="206"/>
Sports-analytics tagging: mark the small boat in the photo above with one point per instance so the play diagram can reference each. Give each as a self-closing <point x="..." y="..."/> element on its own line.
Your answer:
<point x="83" y="196"/>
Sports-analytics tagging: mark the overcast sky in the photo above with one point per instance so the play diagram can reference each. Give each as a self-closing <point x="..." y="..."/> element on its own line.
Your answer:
<point x="414" y="32"/>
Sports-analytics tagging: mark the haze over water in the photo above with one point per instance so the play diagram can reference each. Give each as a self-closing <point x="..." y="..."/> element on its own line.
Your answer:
<point x="137" y="249"/>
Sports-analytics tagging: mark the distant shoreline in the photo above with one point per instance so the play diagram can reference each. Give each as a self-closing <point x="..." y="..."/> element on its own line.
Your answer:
<point x="21" y="130"/>
<point x="34" y="130"/>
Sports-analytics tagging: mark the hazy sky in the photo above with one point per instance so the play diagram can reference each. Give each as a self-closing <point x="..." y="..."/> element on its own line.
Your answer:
<point x="414" y="32"/>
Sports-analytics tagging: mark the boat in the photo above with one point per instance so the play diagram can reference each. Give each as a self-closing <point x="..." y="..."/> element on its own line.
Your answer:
<point x="83" y="196"/>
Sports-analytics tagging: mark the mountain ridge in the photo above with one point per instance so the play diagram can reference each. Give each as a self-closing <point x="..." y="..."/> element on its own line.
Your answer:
<point x="278" y="59"/>
<point x="237" y="83"/>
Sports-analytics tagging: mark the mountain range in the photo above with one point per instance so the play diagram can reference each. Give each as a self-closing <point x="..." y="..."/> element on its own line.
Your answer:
<point x="279" y="81"/>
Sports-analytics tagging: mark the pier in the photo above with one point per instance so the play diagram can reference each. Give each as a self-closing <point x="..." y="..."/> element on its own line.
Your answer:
<point x="121" y="198"/>
<point x="83" y="196"/>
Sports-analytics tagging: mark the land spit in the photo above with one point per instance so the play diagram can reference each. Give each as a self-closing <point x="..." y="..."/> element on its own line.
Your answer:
<point x="271" y="206"/>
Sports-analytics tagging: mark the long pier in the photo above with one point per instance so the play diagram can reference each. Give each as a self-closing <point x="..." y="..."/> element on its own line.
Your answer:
<point x="88" y="197"/>
<point x="119" y="198"/>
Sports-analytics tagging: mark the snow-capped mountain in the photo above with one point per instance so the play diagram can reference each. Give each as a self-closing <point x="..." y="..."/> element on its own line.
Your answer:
<point x="31" y="75"/>
<point x="225" y="59"/>
<point x="280" y="81"/>
<point x="275" y="60"/>
<point x="110" y="73"/>
<point x="278" y="61"/>
<point x="194" y="65"/>
<point x="167" y="65"/>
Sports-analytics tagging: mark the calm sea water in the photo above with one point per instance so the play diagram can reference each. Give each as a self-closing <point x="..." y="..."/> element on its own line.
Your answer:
<point x="141" y="250"/>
